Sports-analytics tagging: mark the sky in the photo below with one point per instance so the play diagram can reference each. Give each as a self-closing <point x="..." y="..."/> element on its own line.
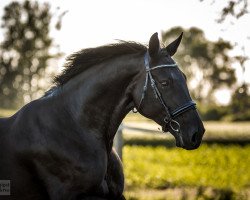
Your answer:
<point x="90" y="23"/>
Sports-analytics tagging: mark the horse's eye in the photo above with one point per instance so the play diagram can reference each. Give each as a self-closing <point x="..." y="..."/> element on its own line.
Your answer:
<point x="165" y="83"/>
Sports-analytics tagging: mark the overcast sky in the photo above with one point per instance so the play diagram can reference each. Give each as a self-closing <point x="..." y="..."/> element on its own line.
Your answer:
<point x="95" y="22"/>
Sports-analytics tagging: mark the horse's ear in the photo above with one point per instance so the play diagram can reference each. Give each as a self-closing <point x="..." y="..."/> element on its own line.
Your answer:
<point x="172" y="47"/>
<point x="154" y="45"/>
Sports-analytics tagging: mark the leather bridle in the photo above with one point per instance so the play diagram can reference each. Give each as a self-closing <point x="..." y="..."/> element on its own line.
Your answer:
<point x="169" y="119"/>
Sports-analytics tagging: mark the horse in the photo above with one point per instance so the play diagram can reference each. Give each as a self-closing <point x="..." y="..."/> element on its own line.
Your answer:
<point x="59" y="146"/>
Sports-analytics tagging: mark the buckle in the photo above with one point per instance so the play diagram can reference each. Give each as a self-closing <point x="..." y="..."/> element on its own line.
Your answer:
<point x="174" y="125"/>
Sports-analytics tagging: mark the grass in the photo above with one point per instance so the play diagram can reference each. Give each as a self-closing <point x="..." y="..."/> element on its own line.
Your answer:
<point x="211" y="172"/>
<point x="210" y="165"/>
<point x="222" y="169"/>
<point x="186" y="193"/>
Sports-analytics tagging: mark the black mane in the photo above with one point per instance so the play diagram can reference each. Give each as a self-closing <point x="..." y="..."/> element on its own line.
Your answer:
<point x="82" y="60"/>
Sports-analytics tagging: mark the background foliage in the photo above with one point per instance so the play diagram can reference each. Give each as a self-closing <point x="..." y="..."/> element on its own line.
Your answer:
<point x="24" y="53"/>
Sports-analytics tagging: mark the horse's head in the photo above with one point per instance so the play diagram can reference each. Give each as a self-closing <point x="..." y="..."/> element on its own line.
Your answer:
<point x="161" y="94"/>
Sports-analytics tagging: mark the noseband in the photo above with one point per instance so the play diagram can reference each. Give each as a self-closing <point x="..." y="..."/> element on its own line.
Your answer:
<point x="169" y="119"/>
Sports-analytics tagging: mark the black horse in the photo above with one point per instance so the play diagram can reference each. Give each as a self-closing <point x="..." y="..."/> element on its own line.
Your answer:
<point x="60" y="146"/>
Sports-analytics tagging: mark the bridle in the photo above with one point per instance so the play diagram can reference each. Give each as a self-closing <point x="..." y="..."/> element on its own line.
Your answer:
<point x="169" y="119"/>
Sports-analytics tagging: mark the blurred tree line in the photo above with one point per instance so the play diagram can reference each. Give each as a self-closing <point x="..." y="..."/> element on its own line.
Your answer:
<point x="25" y="53"/>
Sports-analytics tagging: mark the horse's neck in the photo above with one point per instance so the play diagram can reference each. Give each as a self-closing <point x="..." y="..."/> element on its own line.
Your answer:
<point x="100" y="97"/>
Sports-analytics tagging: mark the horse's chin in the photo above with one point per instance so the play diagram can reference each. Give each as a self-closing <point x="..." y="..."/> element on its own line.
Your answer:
<point x="178" y="138"/>
<point x="178" y="143"/>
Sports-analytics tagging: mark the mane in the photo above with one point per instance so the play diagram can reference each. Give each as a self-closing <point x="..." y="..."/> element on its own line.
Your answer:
<point x="84" y="59"/>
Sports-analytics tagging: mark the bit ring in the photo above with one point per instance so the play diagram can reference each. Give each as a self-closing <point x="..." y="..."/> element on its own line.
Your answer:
<point x="174" y="123"/>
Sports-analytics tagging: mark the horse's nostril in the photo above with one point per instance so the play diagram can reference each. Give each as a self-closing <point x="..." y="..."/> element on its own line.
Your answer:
<point x="194" y="138"/>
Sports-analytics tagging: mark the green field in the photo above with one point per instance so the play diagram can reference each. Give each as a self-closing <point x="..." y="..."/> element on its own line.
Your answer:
<point x="221" y="169"/>
<point x="213" y="165"/>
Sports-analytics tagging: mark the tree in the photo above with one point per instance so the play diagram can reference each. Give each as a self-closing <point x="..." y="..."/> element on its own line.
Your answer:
<point x="206" y="63"/>
<point x="240" y="104"/>
<point x="24" y="53"/>
<point x="233" y="8"/>
<point x="232" y="12"/>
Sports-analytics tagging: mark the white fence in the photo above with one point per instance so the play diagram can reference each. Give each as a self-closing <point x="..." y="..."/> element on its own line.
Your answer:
<point x="118" y="141"/>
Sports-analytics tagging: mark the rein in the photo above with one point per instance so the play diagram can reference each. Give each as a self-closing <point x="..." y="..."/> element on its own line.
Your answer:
<point x="169" y="119"/>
